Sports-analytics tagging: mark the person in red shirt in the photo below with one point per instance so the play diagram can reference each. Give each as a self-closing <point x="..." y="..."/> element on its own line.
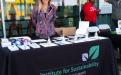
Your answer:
<point x="90" y="12"/>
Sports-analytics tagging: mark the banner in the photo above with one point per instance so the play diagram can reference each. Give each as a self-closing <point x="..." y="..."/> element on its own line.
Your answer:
<point x="105" y="7"/>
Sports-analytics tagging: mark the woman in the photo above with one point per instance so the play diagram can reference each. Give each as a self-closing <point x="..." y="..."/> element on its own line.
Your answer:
<point x="90" y="12"/>
<point x="43" y="17"/>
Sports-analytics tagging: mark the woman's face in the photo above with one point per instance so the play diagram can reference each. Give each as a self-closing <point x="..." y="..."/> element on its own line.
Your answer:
<point x="45" y="1"/>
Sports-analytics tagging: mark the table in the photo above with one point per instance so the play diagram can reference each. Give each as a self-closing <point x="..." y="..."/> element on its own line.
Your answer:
<point x="115" y="38"/>
<point x="87" y="58"/>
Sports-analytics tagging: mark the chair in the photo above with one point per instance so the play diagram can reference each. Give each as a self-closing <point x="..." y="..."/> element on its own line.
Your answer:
<point x="66" y="31"/>
<point x="30" y="27"/>
<point x="14" y="28"/>
<point x="59" y="31"/>
<point x="69" y="31"/>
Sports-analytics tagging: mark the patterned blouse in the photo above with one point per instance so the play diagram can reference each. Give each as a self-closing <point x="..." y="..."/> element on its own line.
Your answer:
<point x="44" y="22"/>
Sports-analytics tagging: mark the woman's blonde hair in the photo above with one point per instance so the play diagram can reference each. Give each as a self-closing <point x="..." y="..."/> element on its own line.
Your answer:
<point x="48" y="2"/>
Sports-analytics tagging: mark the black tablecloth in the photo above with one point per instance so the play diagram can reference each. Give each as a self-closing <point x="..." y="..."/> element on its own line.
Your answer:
<point x="88" y="58"/>
<point x="115" y="38"/>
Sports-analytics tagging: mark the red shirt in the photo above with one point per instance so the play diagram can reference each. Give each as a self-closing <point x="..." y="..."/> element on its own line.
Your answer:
<point x="90" y="12"/>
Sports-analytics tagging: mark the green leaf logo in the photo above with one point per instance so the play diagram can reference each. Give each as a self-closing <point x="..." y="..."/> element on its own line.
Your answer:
<point x="94" y="52"/>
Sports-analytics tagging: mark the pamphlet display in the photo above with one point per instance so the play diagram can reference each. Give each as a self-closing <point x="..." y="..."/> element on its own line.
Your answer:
<point x="25" y="42"/>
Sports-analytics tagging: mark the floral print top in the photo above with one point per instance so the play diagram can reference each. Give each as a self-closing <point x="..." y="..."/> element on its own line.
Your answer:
<point x="44" y="22"/>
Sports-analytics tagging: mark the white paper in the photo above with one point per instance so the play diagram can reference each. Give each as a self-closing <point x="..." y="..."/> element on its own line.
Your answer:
<point x="77" y="41"/>
<point x="101" y="38"/>
<point x="105" y="7"/>
<point x="91" y="39"/>
<point x="70" y="2"/>
<point x="24" y="37"/>
<point x="76" y="37"/>
<point x="13" y="48"/>
<point x="119" y="23"/>
<point x="62" y="42"/>
<point x="83" y="40"/>
<point x="48" y="44"/>
<point x="72" y="37"/>
<point x="34" y="45"/>
<point x="23" y="47"/>
<point x="87" y="39"/>
<point x="81" y="32"/>
<point x="39" y="40"/>
<point x="118" y="31"/>
<point x="96" y="38"/>
<point x="60" y="38"/>
<point x="83" y="26"/>
<point x="5" y="42"/>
